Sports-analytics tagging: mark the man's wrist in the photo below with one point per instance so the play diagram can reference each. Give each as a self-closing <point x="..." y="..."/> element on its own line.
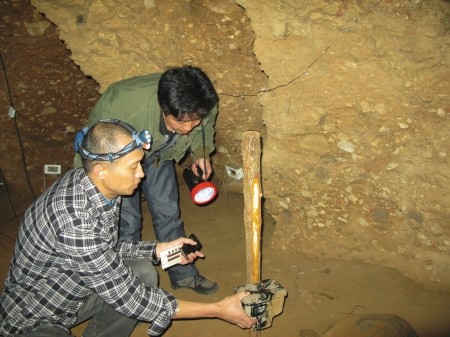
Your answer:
<point x="155" y="257"/>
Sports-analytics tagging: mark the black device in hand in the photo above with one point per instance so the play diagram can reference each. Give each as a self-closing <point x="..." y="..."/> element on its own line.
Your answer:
<point x="188" y="248"/>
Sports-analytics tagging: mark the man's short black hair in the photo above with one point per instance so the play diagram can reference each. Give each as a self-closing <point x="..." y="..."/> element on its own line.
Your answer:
<point x="186" y="93"/>
<point x="103" y="138"/>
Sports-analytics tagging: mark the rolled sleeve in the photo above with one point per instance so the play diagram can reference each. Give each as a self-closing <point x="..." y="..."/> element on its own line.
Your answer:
<point x="161" y="323"/>
<point x="103" y="271"/>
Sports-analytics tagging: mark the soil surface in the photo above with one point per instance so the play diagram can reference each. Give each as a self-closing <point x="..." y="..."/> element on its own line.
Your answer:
<point x="52" y="99"/>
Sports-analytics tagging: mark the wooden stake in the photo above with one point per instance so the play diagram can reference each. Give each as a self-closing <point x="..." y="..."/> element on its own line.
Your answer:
<point x="251" y="152"/>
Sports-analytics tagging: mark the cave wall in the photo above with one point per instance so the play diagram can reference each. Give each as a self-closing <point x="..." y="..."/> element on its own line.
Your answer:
<point x="350" y="97"/>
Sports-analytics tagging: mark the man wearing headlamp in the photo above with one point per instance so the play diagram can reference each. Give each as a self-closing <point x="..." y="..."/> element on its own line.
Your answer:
<point x="179" y="108"/>
<point x="68" y="266"/>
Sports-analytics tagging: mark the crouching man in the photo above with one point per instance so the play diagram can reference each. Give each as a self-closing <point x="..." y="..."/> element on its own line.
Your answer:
<point x="68" y="266"/>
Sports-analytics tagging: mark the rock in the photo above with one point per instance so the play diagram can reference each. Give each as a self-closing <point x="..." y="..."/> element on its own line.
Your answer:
<point x="346" y="146"/>
<point x="222" y="149"/>
<point x="441" y="113"/>
<point x="149" y="4"/>
<point x="381" y="108"/>
<point x="315" y="142"/>
<point x="380" y="215"/>
<point x="378" y="325"/>
<point x="416" y="216"/>
<point x="362" y="222"/>
<point x="365" y="107"/>
<point x="391" y="166"/>
<point x="70" y="129"/>
<point x="49" y="110"/>
<point x="37" y="28"/>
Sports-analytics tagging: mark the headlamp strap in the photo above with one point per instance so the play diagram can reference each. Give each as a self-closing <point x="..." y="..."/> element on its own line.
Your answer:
<point x="140" y="139"/>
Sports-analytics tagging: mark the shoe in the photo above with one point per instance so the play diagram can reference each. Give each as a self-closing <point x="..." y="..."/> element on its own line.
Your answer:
<point x="198" y="283"/>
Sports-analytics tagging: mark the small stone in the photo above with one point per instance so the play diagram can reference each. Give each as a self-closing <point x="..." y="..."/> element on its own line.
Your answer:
<point x="57" y="136"/>
<point x="346" y="146"/>
<point x="70" y="129"/>
<point x="381" y="109"/>
<point x="441" y="113"/>
<point x="342" y="219"/>
<point x="391" y="166"/>
<point x="377" y="245"/>
<point x="306" y="194"/>
<point x="342" y="136"/>
<point x="362" y="222"/>
<point x="149" y="4"/>
<point x="365" y="107"/>
<point x="283" y="204"/>
<point x="353" y="198"/>
<point x="428" y="264"/>
<point x="416" y="216"/>
<point x="312" y="213"/>
<point x="222" y="149"/>
<point x="37" y="28"/>
<point x="237" y="134"/>
<point x="380" y="215"/>
<point x="50" y="110"/>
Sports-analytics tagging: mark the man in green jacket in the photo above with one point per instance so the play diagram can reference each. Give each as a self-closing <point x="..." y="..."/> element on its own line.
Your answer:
<point x="179" y="109"/>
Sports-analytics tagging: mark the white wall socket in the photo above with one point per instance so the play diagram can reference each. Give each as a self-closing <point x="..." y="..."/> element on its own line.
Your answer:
<point x="52" y="169"/>
<point x="234" y="173"/>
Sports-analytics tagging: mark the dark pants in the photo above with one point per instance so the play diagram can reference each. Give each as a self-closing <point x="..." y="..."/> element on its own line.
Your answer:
<point x="105" y="321"/>
<point x="161" y="191"/>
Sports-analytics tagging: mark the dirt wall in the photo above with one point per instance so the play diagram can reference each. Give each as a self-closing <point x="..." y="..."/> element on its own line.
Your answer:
<point x="350" y="97"/>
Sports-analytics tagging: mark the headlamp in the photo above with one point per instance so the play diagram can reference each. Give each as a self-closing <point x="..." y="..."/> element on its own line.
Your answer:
<point x="140" y="139"/>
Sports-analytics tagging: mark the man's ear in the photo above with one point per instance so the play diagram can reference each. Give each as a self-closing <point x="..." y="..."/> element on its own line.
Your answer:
<point x="99" y="171"/>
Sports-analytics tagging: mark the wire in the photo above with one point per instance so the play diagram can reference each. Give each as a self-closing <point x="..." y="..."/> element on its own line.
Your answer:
<point x="8" y="93"/>
<point x="3" y="182"/>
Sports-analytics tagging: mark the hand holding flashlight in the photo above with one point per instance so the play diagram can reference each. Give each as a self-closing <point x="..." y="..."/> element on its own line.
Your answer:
<point x="202" y="168"/>
<point x="201" y="191"/>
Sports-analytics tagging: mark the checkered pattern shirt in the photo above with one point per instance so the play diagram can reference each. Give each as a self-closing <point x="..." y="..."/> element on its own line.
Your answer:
<point x="66" y="251"/>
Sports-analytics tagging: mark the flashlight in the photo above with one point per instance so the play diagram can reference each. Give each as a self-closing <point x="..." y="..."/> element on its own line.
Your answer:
<point x="202" y="191"/>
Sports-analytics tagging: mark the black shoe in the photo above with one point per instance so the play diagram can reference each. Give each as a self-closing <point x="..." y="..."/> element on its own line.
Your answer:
<point x="197" y="283"/>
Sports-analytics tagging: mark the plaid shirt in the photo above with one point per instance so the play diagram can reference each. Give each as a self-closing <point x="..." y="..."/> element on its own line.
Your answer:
<point x="66" y="251"/>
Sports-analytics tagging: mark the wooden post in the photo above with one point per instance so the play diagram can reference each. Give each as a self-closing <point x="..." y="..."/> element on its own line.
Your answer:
<point x="251" y="152"/>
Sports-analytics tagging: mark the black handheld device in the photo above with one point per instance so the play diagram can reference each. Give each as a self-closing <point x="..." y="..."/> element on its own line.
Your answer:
<point x="188" y="248"/>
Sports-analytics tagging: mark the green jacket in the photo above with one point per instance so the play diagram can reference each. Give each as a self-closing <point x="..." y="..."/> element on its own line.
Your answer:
<point x="135" y="101"/>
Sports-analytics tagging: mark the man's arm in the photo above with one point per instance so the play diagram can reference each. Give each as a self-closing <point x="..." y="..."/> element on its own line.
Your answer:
<point x="228" y="309"/>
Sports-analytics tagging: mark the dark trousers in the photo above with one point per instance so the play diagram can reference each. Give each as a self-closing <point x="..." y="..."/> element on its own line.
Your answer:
<point x="161" y="191"/>
<point x="105" y="321"/>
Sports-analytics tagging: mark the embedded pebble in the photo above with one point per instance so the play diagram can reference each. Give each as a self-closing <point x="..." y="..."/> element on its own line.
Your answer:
<point x="346" y="146"/>
<point x="391" y="166"/>
<point x="441" y="113"/>
<point x="50" y="110"/>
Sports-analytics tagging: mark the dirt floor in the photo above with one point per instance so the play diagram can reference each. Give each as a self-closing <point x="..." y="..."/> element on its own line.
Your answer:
<point x="52" y="98"/>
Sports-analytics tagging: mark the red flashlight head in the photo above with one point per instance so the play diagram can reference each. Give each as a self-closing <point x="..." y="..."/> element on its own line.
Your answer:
<point x="203" y="193"/>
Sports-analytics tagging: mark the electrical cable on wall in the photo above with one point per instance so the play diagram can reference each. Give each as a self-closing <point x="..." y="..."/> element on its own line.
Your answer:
<point x="3" y="183"/>
<point x="12" y="113"/>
